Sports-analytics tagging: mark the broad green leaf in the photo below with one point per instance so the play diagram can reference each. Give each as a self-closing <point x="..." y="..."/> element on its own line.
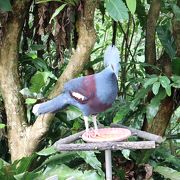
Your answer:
<point x="176" y="11"/>
<point x="5" y="5"/>
<point x="73" y="113"/>
<point x="131" y="4"/>
<point x="167" y="172"/>
<point x="176" y="65"/>
<point x="26" y="92"/>
<point x="59" y="158"/>
<point x="30" y="101"/>
<point x="126" y="153"/>
<point x="3" y="163"/>
<point x="155" y="88"/>
<point x="57" y="11"/>
<point x="32" y="55"/>
<point x="37" y="82"/>
<point x="153" y="107"/>
<point x="47" y="151"/>
<point x="64" y="172"/>
<point x="168" y="90"/>
<point x="139" y="95"/>
<point x="91" y="159"/>
<point x="150" y="81"/>
<point x="39" y="63"/>
<point x="36" y="47"/>
<point x="176" y="81"/>
<point x="28" y="175"/>
<point x="117" y="9"/>
<point x="2" y="126"/>
<point x="22" y="165"/>
<point x="165" y="37"/>
<point x="165" y="82"/>
<point x="71" y="2"/>
<point x="120" y="115"/>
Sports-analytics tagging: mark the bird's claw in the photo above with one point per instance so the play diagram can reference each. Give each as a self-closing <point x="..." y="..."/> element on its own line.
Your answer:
<point x="93" y="133"/>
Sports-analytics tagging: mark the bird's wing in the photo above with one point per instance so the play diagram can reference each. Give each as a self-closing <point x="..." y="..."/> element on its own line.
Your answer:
<point x="81" y="89"/>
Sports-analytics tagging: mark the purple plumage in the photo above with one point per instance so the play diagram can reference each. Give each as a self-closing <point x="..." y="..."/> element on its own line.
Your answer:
<point x="91" y="94"/>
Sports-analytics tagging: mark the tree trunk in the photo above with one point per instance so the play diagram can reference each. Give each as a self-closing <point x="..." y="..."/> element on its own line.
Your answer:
<point x="162" y="118"/>
<point x="150" y="47"/>
<point x="9" y="78"/>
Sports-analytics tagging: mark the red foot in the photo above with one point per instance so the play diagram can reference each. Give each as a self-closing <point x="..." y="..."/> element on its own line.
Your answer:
<point x="93" y="133"/>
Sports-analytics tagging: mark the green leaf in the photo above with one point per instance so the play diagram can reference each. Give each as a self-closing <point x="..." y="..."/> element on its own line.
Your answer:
<point x="153" y="107"/>
<point x="131" y="4"/>
<point x="39" y="80"/>
<point x="2" y="126"/>
<point x="91" y="159"/>
<point x="5" y="5"/>
<point x="62" y="158"/>
<point x="3" y="163"/>
<point x="64" y="172"/>
<point x="176" y="11"/>
<point x="176" y="81"/>
<point x="126" y="153"/>
<point x="36" y="47"/>
<point x="156" y="87"/>
<point x="30" y="101"/>
<point x="166" y="39"/>
<point x="117" y="9"/>
<point x="176" y="65"/>
<point x="28" y="176"/>
<point x="167" y="172"/>
<point x="120" y="115"/>
<point x="57" y="11"/>
<point x="22" y="165"/>
<point x="168" y="90"/>
<point x="139" y="95"/>
<point x="47" y="151"/>
<point x="150" y="81"/>
<point x="73" y="113"/>
<point x="26" y="92"/>
<point x="165" y="82"/>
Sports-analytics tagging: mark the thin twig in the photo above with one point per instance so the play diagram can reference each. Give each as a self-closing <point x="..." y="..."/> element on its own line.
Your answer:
<point x="142" y="134"/>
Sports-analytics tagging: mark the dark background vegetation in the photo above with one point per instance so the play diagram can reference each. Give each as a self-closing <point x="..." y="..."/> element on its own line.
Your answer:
<point x="43" y="44"/>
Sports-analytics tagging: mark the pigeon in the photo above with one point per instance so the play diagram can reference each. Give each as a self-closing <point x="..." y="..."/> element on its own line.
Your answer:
<point x="92" y="94"/>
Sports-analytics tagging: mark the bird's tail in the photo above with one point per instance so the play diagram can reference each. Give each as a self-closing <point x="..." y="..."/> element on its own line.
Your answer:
<point x="51" y="106"/>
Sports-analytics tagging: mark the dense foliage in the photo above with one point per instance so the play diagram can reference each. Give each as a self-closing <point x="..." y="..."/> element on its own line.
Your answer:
<point x="48" y="39"/>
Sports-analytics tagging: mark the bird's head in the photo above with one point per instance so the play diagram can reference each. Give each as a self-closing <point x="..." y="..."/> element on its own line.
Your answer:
<point x="112" y="59"/>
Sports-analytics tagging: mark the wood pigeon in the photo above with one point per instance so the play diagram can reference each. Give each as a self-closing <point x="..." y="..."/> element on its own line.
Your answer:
<point x="91" y="94"/>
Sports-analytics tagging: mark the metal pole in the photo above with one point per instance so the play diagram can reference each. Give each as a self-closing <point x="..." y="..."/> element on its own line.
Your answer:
<point x="108" y="162"/>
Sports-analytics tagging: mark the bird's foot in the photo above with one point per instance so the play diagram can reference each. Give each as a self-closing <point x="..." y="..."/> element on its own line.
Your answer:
<point x="92" y="133"/>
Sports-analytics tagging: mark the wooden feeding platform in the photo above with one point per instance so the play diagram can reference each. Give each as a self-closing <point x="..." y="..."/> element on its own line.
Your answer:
<point x="109" y="139"/>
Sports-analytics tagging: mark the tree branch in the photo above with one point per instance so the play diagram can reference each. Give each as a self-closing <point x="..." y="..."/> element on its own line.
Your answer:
<point x="142" y="134"/>
<point x="176" y="32"/>
<point x="105" y="146"/>
<point x="86" y="41"/>
<point x="150" y="47"/>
